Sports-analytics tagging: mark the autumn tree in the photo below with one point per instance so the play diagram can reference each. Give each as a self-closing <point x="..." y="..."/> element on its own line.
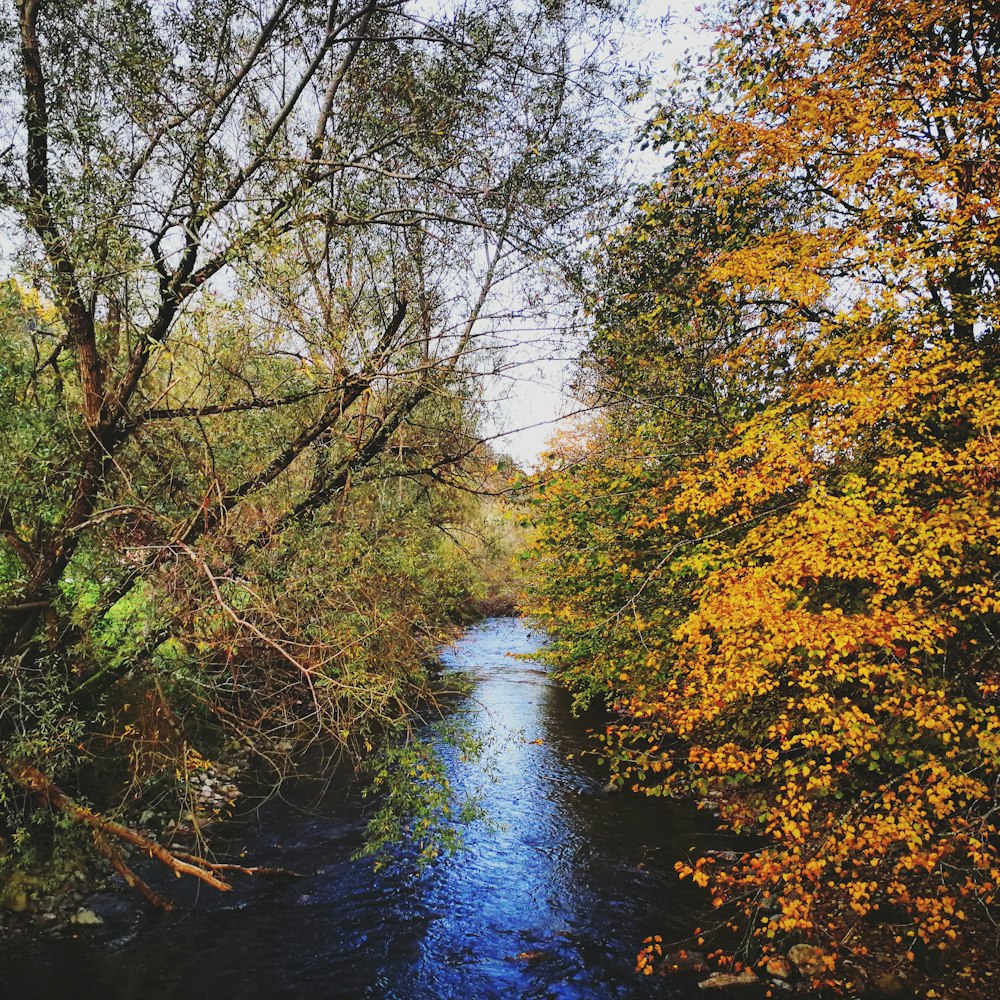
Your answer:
<point x="801" y="596"/>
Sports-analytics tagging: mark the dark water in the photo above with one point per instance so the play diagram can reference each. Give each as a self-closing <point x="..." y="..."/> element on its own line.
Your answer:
<point x="552" y="902"/>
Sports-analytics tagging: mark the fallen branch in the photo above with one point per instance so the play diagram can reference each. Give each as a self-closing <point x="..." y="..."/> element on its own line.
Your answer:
<point x="179" y="863"/>
<point x="114" y="856"/>
<point x="219" y="866"/>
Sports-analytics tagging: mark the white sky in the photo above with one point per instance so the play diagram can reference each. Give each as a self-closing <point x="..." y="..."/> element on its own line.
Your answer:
<point x="537" y="394"/>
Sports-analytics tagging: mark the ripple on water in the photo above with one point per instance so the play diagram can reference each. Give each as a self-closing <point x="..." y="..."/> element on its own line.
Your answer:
<point x="550" y="900"/>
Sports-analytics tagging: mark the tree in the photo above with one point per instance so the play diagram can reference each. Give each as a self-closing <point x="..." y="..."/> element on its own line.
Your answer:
<point x="804" y="606"/>
<point x="254" y="243"/>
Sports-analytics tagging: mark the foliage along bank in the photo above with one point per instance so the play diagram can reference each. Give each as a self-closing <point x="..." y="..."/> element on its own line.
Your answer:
<point x="775" y="550"/>
<point x="140" y="713"/>
<point x="250" y="251"/>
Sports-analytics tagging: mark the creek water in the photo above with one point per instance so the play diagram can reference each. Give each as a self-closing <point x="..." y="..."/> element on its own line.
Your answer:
<point x="551" y="899"/>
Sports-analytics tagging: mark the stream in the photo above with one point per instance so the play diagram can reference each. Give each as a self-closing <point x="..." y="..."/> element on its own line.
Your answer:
<point x="550" y="899"/>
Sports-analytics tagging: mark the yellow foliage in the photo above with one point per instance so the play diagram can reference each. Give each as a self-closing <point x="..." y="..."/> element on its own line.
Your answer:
<point x="800" y="612"/>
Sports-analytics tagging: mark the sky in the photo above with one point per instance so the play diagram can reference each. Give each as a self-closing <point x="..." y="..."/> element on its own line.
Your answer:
<point x="531" y="400"/>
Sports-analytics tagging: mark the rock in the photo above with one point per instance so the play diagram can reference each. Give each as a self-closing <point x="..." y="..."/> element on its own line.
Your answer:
<point x="722" y="980"/>
<point x="14" y="896"/>
<point x="14" y="900"/>
<point x="809" y="960"/>
<point x="86" y="918"/>
<point x="682" y="961"/>
<point x="778" y="967"/>
<point x="610" y="788"/>
<point x="890" y="985"/>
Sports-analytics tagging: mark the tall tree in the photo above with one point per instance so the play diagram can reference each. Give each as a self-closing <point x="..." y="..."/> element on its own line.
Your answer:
<point x="800" y="597"/>
<point x="253" y="242"/>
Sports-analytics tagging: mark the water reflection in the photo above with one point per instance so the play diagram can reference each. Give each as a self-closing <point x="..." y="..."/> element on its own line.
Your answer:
<point x="552" y="902"/>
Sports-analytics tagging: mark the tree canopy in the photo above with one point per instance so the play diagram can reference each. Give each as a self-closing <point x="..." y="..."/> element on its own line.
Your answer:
<point x="776" y="556"/>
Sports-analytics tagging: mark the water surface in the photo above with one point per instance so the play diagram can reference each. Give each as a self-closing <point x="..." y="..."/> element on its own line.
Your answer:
<point x="550" y="900"/>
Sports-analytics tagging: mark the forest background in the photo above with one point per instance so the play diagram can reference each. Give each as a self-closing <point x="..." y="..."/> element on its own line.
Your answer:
<point x="261" y="257"/>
